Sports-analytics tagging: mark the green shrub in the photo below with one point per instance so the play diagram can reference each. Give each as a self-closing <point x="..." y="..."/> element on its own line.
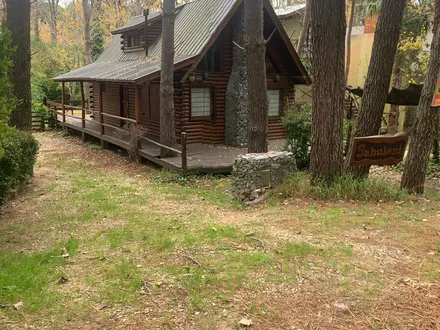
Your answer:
<point x="344" y="187"/>
<point x="17" y="161"/>
<point x="298" y="121"/>
<point x="7" y="99"/>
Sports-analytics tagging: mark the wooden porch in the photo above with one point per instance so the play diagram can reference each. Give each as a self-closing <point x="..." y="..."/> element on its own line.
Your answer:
<point x="196" y="157"/>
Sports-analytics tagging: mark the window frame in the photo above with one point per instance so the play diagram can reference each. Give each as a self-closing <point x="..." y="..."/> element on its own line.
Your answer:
<point x="136" y="37"/>
<point x="280" y="105"/>
<point x="212" y="91"/>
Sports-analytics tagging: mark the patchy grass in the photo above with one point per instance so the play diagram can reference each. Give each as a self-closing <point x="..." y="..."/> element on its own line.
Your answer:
<point x="32" y="278"/>
<point x="153" y="250"/>
<point x="344" y="187"/>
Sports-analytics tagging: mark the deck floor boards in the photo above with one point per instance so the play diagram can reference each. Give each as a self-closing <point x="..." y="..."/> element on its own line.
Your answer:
<point x="204" y="158"/>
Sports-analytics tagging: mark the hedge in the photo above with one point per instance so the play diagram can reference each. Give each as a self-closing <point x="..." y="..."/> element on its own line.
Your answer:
<point x="17" y="160"/>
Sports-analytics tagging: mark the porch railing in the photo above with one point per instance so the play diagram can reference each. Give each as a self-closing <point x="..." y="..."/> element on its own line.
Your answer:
<point x="55" y="107"/>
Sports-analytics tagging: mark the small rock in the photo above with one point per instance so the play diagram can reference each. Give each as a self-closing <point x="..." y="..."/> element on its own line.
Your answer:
<point x="101" y="306"/>
<point x="245" y="322"/>
<point x="341" y="306"/>
<point x="63" y="280"/>
<point x="65" y="253"/>
<point x="18" y="305"/>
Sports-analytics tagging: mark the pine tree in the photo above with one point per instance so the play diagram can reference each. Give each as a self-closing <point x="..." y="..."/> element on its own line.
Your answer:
<point x="328" y="33"/>
<point x="379" y="74"/>
<point x="19" y="23"/>
<point x="258" y="103"/>
<point x="167" y="130"/>
<point x="426" y="126"/>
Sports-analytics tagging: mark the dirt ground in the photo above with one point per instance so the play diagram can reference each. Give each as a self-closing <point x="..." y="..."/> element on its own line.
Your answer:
<point x="96" y="241"/>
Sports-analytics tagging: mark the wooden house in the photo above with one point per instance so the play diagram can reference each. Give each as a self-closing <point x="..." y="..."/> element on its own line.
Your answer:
<point x="125" y="80"/>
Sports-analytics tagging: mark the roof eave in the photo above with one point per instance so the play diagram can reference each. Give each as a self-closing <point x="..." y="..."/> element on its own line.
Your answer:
<point x="134" y="27"/>
<point x="287" y="41"/>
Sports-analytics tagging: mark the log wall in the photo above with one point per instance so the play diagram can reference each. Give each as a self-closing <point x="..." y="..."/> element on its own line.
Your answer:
<point x="210" y="130"/>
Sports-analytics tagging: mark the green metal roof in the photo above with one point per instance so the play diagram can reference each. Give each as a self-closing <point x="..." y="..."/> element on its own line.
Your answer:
<point x="196" y="22"/>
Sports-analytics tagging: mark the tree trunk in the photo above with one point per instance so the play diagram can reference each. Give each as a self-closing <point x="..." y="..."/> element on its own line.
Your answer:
<point x="328" y="32"/>
<point x="236" y="107"/>
<point x="436" y="151"/>
<point x="410" y="118"/>
<point x="167" y="130"/>
<point x="19" y="23"/>
<point x="36" y="19"/>
<point x="393" y="115"/>
<point x="350" y="29"/>
<point x="426" y="126"/>
<point x="258" y="103"/>
<point x="53" y="6"/>
<point x="87" y="42"/>
<point x="305" y="29"/>
<point x="378" y="79"/>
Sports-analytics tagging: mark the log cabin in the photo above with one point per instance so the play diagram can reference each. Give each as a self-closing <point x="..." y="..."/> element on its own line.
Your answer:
<point x="210" y="89"/>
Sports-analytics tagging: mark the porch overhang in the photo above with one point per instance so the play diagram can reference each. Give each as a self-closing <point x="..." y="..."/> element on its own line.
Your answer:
<point x="132" y="72"/>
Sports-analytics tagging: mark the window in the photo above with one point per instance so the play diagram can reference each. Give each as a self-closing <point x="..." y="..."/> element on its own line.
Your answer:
<point x="213" y="61"/>
<point x="274" y="96"/>
<point x="133" y="41"/>
<point x="201" y="102"/>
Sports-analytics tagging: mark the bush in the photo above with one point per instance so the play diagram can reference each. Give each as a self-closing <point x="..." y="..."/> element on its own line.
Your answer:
<point x="17" y="161"/>
<point x="298" y="120"/>
<point x="7" y="99"/>
<point x="344" y="187"/>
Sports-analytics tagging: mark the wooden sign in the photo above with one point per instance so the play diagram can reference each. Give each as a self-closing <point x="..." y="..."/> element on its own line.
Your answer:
<point x="379" y="150"/>
<point x="436" y="101"/>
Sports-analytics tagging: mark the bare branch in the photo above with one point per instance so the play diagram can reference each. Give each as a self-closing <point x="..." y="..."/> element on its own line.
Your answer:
<point x="271" y="35"/>
<point x="242" y="48"/>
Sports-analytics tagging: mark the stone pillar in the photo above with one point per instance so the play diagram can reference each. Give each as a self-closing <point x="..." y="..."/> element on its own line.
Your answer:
<point x="237" y="115"/>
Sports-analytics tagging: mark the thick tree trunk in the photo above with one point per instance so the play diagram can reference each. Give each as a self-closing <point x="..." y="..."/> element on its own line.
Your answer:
<point x="87" y="39"/>
<point x="237" y="112"/>
<point x="350" y="29"/>
<point x="426" y="126"/>
<point x="305" y="29"/>
<point x="378" y="79"/>
<point x="393" y="115"/>
<point x="328" y="32"/>
<point x="258" y="103"/>
<point x="167" y="130"/>
<point x="19" y="23"/>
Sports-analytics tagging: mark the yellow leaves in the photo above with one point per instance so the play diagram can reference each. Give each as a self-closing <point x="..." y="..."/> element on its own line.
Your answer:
<point x="71" y="25"/>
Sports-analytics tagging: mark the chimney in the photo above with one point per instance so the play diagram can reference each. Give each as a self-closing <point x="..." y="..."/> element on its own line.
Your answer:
<point x="146" y="13"/>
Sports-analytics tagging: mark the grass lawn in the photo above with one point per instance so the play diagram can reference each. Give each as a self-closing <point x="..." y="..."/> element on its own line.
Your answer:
<point x="98" y="242"/>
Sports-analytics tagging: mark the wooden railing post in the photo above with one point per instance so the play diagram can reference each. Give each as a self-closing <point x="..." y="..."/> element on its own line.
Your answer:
<point x="137" y="103"/>
<point x="55" y="116"/>
<point x="101" y="117"/>
<point x="184" y="151"/>
<point x="63" y="100"/>
<point x="83" y="111"/>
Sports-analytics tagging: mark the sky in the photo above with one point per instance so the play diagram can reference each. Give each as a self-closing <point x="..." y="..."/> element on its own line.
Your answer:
<point x="64" y="2"/>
